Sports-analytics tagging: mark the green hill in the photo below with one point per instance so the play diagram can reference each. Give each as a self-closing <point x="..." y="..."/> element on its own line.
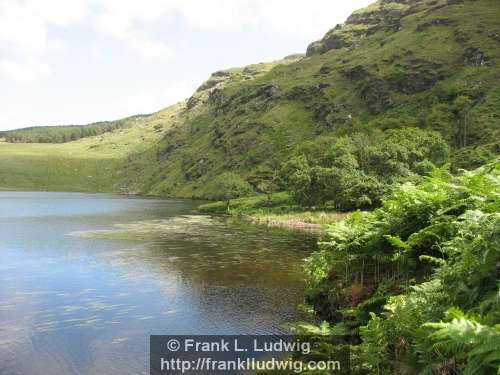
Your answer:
<point x="91" y="164"/>
<point x="402" y="87"/>
<point x="65" y="133"/>
<point x="427" y="64"/>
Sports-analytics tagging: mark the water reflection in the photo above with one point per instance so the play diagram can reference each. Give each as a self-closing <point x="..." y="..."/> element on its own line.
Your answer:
<point x="206" y="250"/>
<point x="85" y="279"/>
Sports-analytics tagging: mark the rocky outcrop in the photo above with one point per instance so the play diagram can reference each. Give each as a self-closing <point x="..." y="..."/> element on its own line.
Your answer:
<point x="436" y="22"/>
<point x="192" y="102"/>
<point x="337" y="39"/>
<point x="217" y="78"/>
<point x="297" y="93"/>
<point x="376" y="95"/>
<point x="267" y="91"/>
<point x="198" y="169"/>
<point x="416" y="75"/>
<point x="355" y="74"/>
<point x="475" y="57"/>
<point x="221" y="73"/>
<point x="306" y="93"/>
<point x="207" y="85"/>
<point x="383" y="15"/>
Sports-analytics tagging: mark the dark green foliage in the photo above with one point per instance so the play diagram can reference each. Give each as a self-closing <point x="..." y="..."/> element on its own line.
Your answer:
<point x="279" y="203"/>
<point x="230" y="186"/>
<point x="427" y="64"/>
<point x="62" y="134"/>
<point x="474" y="156"/>
<point x="419" y="277"/>
<point x="356" y="171"/>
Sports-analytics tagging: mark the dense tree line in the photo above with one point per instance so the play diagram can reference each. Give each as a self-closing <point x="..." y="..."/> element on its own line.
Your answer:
<point x="356" y="171"/>
<point x="62" y="134"/>
<point x="343" y="173"/>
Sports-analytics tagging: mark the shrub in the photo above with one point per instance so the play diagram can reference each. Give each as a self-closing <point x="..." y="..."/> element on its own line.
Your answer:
<point x="427" y="261"/>
<point x="229" y="186"/>
<point x="355" y="172"/>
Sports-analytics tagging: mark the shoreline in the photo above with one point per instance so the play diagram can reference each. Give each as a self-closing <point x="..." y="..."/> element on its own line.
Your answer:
<point x="280" y="212"/>
<point x="294" y="225"/>
<point x="301" y="221"/>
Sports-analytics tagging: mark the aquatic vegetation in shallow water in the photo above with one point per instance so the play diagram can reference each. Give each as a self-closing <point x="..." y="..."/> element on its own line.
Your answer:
<point x="140" y="230"/>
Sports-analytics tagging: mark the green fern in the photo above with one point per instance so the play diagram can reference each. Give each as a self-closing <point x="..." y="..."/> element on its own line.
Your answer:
<point x="470" y="342"/>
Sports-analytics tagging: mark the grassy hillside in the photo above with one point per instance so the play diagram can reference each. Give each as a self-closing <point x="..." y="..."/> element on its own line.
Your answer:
<point x="425" y="64"/>
<point x="88" y="164"/>
<point x="65" y="133"/>
<point x="397" y="64"/>
<point x="121" y="160"/>
<point x="361" y="121"/>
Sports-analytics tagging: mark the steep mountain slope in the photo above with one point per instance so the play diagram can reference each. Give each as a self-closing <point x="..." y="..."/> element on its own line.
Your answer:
<point x="41" y="158"/>
<point x="431" y="64"/>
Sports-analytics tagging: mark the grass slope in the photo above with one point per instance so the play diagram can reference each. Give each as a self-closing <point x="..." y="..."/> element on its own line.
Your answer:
<point x="88" y="164"/>
<point x="431" y="64"/>
<point x="428" y="64"/>
<point x="65" y="133"/>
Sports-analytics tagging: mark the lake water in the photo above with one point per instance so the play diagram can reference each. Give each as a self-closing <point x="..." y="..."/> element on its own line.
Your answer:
<point x="86" y="278"/>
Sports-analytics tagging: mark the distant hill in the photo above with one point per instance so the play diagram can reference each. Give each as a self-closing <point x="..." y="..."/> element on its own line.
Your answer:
<point x="65" y="133"/>
<point x="93" y="163"/>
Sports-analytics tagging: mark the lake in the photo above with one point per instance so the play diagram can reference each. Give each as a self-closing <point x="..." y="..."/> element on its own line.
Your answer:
<point x="86" y="278"/>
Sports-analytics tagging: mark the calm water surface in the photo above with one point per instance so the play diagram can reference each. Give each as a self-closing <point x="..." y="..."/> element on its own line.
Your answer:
<point x="86" y="278"/>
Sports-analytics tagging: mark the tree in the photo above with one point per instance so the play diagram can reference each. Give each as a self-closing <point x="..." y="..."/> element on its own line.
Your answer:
<point x="462" y="106"/>
<point x="297" y="174"/>
<point x="229" y="186"/>
<point x="266" y="181"/>
<point x="355" y="171"/>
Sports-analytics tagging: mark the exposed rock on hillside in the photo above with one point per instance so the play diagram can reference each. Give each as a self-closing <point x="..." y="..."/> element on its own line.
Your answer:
<point x="384" y="15"/>
<point x="397" y="63"/>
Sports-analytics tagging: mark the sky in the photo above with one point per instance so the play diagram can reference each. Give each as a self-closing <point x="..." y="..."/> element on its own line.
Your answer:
<point x="81" y="61"/>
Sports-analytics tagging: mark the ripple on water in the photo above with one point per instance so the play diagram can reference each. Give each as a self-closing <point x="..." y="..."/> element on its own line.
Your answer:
<point x="82" y="304"/>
